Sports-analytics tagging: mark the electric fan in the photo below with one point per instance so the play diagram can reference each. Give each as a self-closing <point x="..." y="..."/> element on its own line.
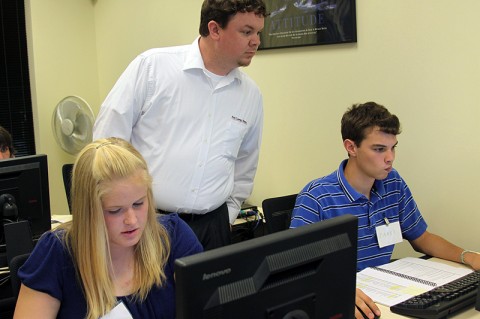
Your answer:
<point x="72" y="124"/>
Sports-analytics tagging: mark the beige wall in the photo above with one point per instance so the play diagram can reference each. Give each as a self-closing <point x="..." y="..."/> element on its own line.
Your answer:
<point x="419" y="58"/>
<point x="63" y="62"/>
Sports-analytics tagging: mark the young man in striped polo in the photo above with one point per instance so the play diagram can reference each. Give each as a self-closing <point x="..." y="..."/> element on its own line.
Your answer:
<point x="366" y="185"/>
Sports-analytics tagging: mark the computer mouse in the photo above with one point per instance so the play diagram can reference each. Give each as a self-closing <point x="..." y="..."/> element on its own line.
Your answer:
<point x="365" y="316"/>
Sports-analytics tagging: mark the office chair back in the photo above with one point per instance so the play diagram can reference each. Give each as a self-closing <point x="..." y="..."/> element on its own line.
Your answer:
<point x="67" y="181"/>
<point x="278" y="212"/>
<point x="14" y="265"/>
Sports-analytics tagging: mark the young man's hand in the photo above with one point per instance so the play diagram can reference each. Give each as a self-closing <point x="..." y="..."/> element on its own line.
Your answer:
<point x="366" y="305"/>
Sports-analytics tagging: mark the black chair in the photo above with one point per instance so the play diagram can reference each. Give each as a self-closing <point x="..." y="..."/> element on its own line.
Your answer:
<point x="67" y="182"/>
<point x="278" y="211"/>
<point x="14" y="265"/>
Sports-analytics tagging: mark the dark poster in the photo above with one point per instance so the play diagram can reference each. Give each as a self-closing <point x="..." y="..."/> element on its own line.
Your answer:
<point x="308" y="22"/>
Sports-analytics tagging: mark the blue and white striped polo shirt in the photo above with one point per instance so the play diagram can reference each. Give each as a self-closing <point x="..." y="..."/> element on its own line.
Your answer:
<point x="332" y="196"/>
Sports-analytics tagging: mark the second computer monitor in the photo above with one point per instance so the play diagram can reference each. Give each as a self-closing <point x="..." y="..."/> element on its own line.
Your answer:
<point x="308" y="272"/>
<point x="24" y="194"/>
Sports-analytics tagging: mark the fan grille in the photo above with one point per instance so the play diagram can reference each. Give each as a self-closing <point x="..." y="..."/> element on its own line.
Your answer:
<point x="72" y="124"/>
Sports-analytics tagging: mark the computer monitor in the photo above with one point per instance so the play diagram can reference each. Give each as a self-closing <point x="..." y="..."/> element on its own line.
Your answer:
<point x="24" y="187"/>
<point x="307" y="272"/>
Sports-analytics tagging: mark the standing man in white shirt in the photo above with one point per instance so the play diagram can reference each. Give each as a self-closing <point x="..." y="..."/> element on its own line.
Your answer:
<point x="196" y="118"/>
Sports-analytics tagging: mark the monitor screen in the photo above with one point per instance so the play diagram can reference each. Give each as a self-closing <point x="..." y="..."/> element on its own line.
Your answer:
<point x="307" y="272"/>
<point x="25" y="180"/>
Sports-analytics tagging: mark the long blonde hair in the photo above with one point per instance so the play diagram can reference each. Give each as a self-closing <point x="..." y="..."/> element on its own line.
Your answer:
<point x="87" y="238"/>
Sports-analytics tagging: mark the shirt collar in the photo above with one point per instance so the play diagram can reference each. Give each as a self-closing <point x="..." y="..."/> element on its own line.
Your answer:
<point x="351" y="193"/>
<point x="194" y="60"/>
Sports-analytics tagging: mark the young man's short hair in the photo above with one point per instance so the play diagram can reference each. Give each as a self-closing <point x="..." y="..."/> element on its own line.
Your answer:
<point x="360" y="118"/>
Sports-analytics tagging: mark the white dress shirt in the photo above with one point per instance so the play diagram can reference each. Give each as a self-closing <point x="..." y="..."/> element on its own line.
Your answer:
<point x="200" y="134"/>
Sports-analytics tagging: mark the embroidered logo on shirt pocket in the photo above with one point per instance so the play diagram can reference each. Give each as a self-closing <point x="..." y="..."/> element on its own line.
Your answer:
<point x="233" y="138"/>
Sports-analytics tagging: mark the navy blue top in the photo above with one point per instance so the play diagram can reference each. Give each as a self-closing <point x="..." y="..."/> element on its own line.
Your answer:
<point x="390" y="198"/>
<point x="50" y="269"/>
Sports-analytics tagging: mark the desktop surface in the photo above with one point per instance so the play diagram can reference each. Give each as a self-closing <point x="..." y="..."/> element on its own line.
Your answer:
<point x="467" y="313"/>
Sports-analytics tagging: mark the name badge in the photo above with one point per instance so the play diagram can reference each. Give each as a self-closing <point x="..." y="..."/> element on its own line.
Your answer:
<point x="120" y="311"/>
<point x="389" y="234"/>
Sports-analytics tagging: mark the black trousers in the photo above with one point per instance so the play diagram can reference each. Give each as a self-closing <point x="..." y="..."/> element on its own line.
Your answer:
<point x="212" y="229"/>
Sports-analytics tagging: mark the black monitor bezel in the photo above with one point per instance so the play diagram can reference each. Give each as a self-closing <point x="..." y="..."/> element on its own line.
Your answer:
<point x="192" y="291"/>
<point x="39" y="221"/>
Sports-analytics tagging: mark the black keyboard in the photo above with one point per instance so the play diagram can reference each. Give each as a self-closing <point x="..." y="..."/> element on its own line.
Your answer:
<point x="442" y="300"/>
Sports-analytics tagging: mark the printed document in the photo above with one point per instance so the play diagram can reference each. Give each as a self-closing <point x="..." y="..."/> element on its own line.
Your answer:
<point x="402" y="279"/>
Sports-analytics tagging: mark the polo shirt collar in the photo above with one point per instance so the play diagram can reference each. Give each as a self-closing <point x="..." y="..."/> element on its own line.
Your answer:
<point x="350" y="192"/>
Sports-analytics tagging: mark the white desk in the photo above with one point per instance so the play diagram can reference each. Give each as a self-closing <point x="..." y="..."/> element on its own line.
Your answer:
<point x="469" y="313"/>
<point x="59" y="219"/>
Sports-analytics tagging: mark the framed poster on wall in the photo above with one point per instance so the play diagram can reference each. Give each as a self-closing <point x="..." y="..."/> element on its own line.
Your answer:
<point x="308" y="22"/>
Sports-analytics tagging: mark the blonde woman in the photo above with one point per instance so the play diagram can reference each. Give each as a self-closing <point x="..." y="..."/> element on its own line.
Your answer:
<point x="117" y="255"/>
